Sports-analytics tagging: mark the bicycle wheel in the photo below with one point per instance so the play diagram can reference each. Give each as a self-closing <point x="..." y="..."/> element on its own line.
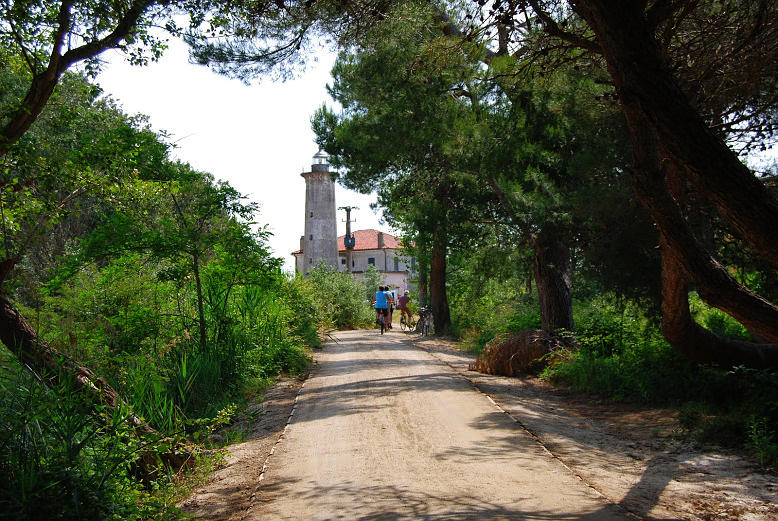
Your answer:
<point x="403" y="323"/>
<point x="381" y="322"/>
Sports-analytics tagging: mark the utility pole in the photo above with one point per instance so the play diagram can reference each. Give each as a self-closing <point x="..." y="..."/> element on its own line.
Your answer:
<point x="348" y="240"/>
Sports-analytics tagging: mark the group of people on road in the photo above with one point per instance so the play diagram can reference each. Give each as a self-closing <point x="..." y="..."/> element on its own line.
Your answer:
<point x="384" y="302"/>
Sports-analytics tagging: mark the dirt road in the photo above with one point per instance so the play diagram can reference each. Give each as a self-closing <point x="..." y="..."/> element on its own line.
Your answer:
<point x="385" y="431"/>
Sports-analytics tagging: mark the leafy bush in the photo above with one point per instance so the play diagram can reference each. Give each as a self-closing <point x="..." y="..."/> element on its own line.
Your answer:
<point x="501" y="307"/>
<point x="717" y="321"/>
<point x="339" y="298"/>
<point x="622" y="355"/>
<point x="762" y="441"/>
<point x="59" y="460"/>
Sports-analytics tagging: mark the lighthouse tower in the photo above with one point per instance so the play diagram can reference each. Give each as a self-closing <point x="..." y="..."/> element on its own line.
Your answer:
<point x="321" y="235"/>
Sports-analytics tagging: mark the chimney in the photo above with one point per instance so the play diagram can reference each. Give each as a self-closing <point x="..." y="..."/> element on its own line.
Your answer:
<point x="380" y="240"/>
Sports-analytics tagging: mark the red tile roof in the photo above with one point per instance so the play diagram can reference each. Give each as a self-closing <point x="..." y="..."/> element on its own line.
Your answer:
<point x="366" y="240"/>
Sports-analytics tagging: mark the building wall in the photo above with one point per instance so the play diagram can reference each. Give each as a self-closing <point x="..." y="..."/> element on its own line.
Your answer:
<point x="399" y="281"/>
<point x="320" y="221"/>
<point x="298" y="263"/>
<point x="384" y="260"/>
<point x="397" y="275"/>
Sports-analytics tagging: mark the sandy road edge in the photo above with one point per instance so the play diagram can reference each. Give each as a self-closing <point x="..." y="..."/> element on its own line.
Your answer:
<point x="415" y="342"/>
<point x="265" y="464"/>
<point x="230" y="493"/>
<point x="311" y="370"/>
<point x="626" y="451"/>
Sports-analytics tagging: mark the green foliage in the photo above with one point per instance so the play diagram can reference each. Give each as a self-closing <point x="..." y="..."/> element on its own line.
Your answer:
<point x="151" y="274"/>
<point x="371" y="279"/>
<point x="143" y="341"/>
<point x="762" y="441"/>
<point x="489" y="293"/>
<point x="717" y="321"/>
<point x="501" y="308"/>
<point x="58" y="460"/>
<point x="621" y="354"/>
<point x="339" y="298"/>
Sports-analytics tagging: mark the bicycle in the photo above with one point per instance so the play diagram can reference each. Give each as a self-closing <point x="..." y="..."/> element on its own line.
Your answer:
<point x="382" y="322"/>
<point x="424" y="323"/>
<point x="406" y="324"/>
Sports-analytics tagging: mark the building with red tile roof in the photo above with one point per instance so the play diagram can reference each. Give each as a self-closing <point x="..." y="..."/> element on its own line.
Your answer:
<point x="373" y="247"/>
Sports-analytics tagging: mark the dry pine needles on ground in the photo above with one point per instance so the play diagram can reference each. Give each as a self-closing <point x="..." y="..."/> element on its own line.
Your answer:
<point x="523" y="353"/>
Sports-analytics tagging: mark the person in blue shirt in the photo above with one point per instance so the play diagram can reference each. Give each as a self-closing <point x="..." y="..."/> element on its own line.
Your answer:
<point x="381" y="303"/>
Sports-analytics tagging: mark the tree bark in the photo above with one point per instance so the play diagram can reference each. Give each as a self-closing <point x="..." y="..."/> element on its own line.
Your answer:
<point x="694" y="341"/>
<point x="671" y="143"/>
<point x="41" y="88"/>
<point x="438" y="299"/>
<point x="650" y="95"/>
<point x="423" y="275"/>
<point x="553" y="270"/>
<point x="713" y="282"/>
<point x="43" y="83"/>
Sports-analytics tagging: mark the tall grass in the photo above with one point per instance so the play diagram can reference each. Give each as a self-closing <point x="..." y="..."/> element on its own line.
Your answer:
<point x="59" y="459"/>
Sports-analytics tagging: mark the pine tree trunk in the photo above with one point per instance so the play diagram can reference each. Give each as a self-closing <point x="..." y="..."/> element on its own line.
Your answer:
<point x="438" y="299"/>
<point x="423" y="276"/>
<point x="553" y="270"/>
<point x="650" y="95"/>
<point x="671" y="142"/>
<point x="694" y="341"/>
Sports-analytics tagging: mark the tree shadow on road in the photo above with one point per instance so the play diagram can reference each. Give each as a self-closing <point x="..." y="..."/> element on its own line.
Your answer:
<point x="350" y="501"/>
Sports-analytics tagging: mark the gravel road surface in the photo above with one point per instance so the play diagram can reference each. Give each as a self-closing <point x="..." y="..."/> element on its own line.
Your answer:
<point x="385" y="431"/>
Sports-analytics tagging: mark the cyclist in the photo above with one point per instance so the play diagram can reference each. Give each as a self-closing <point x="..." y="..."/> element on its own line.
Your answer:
<point x="390" y="299"/>
<point x="381" y="304"/>
<point x="402" y="305"/>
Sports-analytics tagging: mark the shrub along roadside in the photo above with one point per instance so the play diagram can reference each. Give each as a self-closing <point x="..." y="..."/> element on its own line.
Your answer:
<point x="132" y="328"/>
<point x="339" y="298"/>
<point x="58" y="460"/>
<point x="621" y="355"/>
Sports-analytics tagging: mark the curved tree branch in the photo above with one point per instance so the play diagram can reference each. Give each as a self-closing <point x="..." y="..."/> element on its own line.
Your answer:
<point x="694" y="341"/>
<point x="42" y="84"/>
<point x="553" y="29"/>
<point x="651" y="96"/>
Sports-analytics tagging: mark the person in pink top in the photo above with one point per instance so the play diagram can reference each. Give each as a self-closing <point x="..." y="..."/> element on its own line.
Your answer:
<point x="402" y="305"/>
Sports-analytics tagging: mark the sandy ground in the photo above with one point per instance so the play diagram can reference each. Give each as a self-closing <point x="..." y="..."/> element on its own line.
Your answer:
<point x="387" y="428"/>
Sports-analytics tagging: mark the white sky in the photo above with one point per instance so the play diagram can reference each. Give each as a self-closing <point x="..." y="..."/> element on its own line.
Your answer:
<point x="258" y="138"/>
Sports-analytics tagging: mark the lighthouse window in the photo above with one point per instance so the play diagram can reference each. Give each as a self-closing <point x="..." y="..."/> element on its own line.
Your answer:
<point x="310" y="237"/>
<point x="311" y="214"/>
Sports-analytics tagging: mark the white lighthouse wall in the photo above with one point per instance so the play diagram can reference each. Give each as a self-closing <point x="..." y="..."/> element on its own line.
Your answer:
<point x="320" y="239"/>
